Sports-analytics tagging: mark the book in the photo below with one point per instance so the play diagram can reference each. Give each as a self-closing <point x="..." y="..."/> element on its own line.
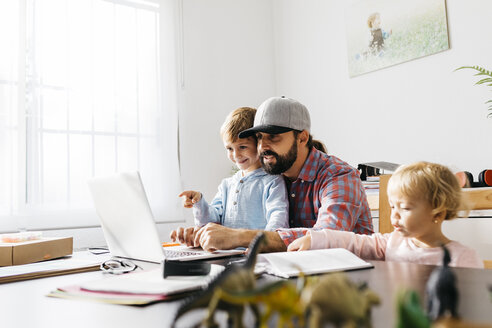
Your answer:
<point x="51" y="268"/>
<point x="290" y="264"/>
<point x="75" y="292"/>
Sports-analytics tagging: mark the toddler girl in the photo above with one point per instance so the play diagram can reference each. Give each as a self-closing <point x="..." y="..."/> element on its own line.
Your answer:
<point x="421" y="196"/>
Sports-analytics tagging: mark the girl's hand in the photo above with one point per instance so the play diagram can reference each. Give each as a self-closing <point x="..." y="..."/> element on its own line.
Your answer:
<point x="190" y="197"/>
<point x="300" y="244"/>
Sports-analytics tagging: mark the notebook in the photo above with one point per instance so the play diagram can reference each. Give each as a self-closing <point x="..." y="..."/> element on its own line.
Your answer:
<point x="290" y="264"/>
<point x="128" y="224"/>
<point x="151" y="283"/>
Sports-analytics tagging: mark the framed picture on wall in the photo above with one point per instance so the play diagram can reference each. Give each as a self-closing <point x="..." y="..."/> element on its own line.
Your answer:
<point x="382" y="33"/>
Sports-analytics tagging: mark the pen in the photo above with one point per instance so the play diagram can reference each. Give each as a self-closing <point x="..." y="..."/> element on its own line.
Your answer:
<point x="167" y="244"/>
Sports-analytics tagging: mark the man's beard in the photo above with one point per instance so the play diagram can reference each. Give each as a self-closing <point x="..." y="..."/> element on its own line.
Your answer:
<point x="282" y="163"/>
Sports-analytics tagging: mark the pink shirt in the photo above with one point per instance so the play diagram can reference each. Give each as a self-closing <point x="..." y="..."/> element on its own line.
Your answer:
<point x="394" y="247"/>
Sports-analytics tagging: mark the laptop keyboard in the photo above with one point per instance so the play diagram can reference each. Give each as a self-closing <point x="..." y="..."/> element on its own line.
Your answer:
<point x="175" y="253"/>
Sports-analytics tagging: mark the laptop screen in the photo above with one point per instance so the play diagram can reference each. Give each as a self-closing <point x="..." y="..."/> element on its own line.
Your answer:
<point x="126" y="217"/>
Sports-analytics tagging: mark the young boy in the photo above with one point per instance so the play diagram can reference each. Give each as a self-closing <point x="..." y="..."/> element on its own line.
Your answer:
<point x="251" y="198"/>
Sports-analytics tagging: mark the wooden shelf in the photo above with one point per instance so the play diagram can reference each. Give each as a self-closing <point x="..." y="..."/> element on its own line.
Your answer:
<point x="479" y="198"/>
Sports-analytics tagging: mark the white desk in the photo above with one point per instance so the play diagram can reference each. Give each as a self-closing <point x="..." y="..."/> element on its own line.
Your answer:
<point x="24" y="304"/>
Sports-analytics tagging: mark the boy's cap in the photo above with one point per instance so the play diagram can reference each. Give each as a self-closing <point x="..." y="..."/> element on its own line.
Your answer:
<point x="278" y="115"/>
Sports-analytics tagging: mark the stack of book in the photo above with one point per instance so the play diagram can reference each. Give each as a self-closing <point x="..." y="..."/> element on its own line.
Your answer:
<point x="371" y="186"/>
<point x="136" y="288"/>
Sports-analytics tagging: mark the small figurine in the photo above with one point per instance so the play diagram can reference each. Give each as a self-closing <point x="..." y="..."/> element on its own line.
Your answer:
<point x="442" y="294"/>
<point x="410" y="313"/>
<point x="280" y="297"/>
<point x="235" y="278"/>
<point x="337" y="300"/>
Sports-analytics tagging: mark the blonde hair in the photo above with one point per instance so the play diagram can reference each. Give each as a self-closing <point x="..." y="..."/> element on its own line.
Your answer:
<point x="372" y="18"/>
<point x="238" y="120"/>
<point x="431" y="182"/>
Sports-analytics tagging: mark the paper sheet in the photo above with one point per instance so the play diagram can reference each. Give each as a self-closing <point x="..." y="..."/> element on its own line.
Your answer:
<point x="151" y="282"/>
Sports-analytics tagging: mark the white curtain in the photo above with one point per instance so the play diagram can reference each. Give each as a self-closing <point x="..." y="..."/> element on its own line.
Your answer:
<point x="87" y="88"/>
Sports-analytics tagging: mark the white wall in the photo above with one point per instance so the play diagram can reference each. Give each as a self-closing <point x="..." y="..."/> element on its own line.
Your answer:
<point x="228" y="63"/>
<point x="419" y="110"/>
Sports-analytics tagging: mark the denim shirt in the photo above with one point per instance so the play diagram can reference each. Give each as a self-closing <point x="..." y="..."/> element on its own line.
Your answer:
<point x="255" y="201"/>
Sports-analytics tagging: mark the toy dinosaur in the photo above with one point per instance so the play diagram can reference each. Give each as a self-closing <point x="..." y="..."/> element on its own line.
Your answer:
<point x="410" y="313"/>
<point x="442" y="294"/>
<point x="235" y="278"/>
<point x="331" y="298"/>
<point x="280" y="297"/>
<point x="337" y="300"/>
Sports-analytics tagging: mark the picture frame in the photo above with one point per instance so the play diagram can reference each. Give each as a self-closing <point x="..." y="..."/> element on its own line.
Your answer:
<point x="383" y="33"/>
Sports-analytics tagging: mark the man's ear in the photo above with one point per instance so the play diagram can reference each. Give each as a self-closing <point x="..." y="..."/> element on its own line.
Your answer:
<point x="303" y="137"/>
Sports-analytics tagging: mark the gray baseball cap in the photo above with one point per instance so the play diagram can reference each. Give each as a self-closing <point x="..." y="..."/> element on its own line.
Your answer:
<point x="278" y="115"/>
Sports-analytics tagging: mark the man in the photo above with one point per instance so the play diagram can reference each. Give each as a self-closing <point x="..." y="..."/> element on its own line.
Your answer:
<point x="324" y="192"/>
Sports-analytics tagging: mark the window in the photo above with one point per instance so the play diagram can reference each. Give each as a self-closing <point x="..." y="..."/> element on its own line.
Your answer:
<point x="81" y="95"/>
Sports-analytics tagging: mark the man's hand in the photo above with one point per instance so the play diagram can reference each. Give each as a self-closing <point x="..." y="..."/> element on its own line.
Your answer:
<point x="185" y="236"/>
<point x="300" y="244"/>
<point x="214" y="236"/>
<point x="190" y="197"/>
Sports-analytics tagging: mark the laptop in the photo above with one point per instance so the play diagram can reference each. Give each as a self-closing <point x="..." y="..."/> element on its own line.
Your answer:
<point x="129" y="226"/>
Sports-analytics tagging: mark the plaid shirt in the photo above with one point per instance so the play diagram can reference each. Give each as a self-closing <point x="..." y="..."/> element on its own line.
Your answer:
<point x="328" y="193"/>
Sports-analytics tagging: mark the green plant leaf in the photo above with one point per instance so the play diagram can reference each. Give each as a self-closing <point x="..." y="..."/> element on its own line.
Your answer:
<point x="462" y="67"/>
<point x="480" y="71"/>
<point x="482" y="81"/>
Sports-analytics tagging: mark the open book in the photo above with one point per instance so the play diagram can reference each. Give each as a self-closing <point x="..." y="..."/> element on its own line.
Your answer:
<point x="288" y="264"/>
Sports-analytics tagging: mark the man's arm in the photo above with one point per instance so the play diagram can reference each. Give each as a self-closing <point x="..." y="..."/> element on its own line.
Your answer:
<point x="214" y="236"/>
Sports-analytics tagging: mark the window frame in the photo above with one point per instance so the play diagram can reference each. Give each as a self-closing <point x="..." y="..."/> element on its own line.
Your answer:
<point x="32" y="217"/>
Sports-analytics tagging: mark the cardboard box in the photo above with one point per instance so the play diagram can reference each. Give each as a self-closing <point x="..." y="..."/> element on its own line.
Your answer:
<point x="35" y="250"/>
